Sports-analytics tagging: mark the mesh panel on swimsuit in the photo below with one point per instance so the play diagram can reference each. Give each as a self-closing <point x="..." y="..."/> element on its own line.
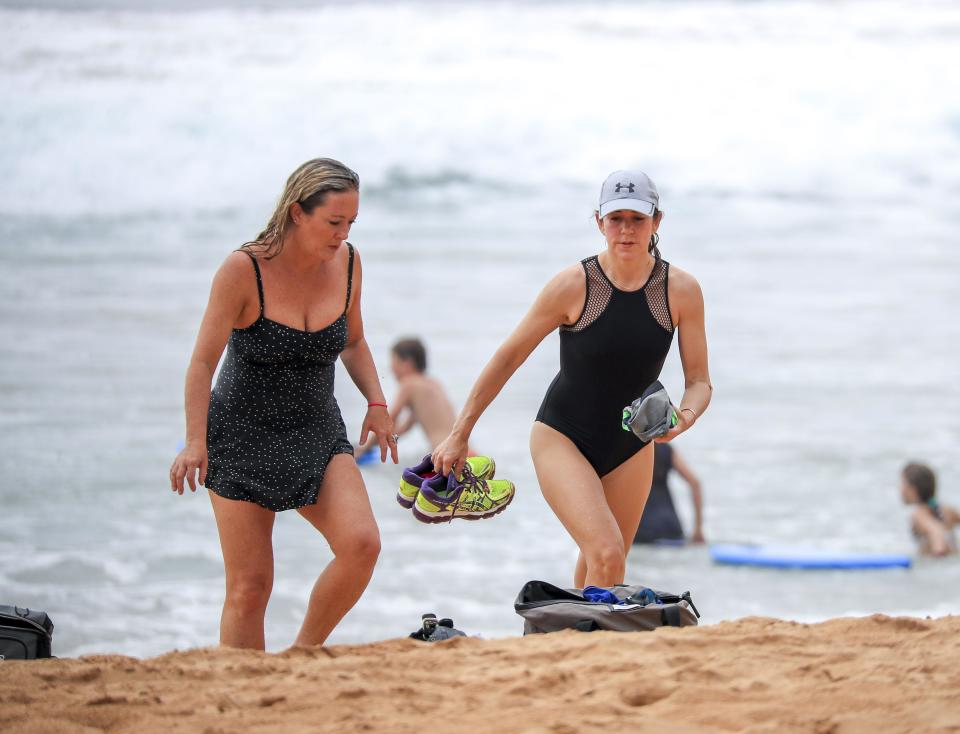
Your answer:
<point x="656" y="292"/>
<point x="599" y="291"/>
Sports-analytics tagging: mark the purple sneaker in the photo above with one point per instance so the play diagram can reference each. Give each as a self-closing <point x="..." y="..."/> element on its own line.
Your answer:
<point x="411" y="480"/>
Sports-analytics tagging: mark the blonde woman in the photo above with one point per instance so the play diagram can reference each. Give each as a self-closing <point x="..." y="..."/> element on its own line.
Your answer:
<point x="617" y="313"/>
<point x="269" y="436"/>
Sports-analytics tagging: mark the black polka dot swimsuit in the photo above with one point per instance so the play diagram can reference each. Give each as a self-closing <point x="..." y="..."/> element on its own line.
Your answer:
<point x="274" y="423"/>
<point x="608" y="357"/>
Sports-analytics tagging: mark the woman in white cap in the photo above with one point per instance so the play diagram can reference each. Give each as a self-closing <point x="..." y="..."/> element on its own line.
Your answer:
<point x="617" y="313"/>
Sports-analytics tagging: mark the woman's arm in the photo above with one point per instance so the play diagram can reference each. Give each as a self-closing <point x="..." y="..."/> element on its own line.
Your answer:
<point x="229" y="294"/>
<point x="399" y="407"/>
<point x="559" y="302"/>
<point x="358" y="360"/>
<point x="687" y="298"/>
<point x="696" y="494"/>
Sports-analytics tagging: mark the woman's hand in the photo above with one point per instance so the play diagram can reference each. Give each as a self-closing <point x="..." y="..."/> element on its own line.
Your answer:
<point x="380" y="424"/>
<point x="192" y="460"/>
<point x="450" y="455"/>
<point x="685" y="420"/>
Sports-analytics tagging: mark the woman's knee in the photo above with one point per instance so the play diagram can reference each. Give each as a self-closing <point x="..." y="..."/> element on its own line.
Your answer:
<point x="249" y="592"/>
<point x="607" y="556"/>
<point x="361" y="546"/>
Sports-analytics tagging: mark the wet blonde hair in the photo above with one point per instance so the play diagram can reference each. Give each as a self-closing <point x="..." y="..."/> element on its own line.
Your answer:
<point x="308" y="187"/>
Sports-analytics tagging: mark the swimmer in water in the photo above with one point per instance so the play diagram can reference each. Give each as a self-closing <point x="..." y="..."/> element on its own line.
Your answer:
<point x="660" y="522"/>
<point x="932" y="524"/>
<point x="421" y="399"/>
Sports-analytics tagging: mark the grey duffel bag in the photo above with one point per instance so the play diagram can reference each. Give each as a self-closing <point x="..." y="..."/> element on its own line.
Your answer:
<point x="548" y="608"/>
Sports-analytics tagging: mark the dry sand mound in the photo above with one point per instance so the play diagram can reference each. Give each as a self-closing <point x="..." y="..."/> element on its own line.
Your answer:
<point x="875" y="674"/>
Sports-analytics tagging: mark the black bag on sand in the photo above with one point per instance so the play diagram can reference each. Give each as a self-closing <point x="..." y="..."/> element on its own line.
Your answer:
<point x="548" y="608"/>
<point x="24" y="634"/>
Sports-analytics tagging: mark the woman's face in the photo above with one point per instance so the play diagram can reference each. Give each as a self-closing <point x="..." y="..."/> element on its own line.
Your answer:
<point x="628" y="232"/>
<point x="907" y="492"/>
<point x="325" y="229"/>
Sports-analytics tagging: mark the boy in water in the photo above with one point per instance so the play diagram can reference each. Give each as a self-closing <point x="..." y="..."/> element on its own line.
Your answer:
<point x="421" y="398"/>
<point x="932" y="523"/>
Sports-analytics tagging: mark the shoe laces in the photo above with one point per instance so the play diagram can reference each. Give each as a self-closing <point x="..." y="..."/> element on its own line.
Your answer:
<point x="469" y="482"/>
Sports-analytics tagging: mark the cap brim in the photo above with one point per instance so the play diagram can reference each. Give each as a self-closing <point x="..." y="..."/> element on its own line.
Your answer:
<point x="634" y="205"/>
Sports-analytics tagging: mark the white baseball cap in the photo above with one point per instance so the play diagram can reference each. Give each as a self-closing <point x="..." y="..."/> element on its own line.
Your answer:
<point x="631" y="190"/>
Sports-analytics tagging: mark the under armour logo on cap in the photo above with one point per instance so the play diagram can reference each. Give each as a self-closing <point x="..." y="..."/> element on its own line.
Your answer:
<point x="631" y="190"/>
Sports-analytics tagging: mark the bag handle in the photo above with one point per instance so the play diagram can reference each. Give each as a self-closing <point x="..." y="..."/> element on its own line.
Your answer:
<point x="21" y="616"/>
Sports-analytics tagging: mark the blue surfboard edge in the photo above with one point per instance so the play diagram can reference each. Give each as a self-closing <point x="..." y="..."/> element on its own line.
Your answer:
<point x="783" y="556"/>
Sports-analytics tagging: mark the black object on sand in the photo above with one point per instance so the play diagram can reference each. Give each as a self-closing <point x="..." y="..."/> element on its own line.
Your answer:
<point x="434" y="630"/>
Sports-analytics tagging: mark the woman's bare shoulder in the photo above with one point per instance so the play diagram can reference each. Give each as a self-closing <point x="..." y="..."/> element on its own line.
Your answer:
<point x="683" y="282"/>
<point x="564" y="293"/>
<point x="923" y="517"/>
<point x="236" y="273"/>
<point x="570" y="280"/>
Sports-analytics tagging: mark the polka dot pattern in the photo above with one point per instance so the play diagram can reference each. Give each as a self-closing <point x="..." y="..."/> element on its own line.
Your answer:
<point x="274" y="423"/>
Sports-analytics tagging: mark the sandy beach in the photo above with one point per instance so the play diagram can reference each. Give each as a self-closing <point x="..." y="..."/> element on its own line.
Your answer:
<point x="756" y="674"/>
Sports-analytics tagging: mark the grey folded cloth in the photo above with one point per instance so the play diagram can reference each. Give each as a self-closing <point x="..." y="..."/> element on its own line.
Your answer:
<point x="651" y="415"/>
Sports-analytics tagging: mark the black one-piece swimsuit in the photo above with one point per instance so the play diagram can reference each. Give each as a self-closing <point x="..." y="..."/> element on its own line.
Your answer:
<point x="274" y="423"/>
<point x="608" y="357"/>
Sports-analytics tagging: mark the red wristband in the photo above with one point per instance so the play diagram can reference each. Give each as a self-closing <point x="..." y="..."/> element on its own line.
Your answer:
<point x="376" y="405"/>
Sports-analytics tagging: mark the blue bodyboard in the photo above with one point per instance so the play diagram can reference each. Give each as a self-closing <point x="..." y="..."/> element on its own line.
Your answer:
<point x="798" y="556"/>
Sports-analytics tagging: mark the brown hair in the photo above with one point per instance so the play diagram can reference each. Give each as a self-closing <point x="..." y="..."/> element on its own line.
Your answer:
<point x="308" y="187"/>
<point x="411" y="349"/>
<point x="921" y="478"/>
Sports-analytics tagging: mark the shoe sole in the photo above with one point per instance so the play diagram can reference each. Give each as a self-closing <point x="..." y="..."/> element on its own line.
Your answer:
<point x="446" y="517"/>
<point x="404" y="501"/>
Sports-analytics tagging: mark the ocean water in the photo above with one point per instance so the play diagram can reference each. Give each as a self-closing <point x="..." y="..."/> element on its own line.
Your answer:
<point x="807" y="155"/>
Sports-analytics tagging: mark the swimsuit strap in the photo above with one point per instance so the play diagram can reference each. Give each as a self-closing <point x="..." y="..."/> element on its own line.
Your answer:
<point x="256" y="268"/>
<point x="349" y="277"/>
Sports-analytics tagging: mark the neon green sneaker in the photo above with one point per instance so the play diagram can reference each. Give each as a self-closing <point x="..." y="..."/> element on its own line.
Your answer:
<point x="471" y="498"/>
<point x="413" y="477"/>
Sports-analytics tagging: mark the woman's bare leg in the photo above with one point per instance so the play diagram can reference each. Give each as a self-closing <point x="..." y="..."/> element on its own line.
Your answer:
<point x="626" y="488"/>
<point x="343" y="515"/>
<point x="576" y="495"/>
<point x="246" y="540"/>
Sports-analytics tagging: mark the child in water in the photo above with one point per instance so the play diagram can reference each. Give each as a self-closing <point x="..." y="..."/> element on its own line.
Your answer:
<point x="932" y="523"/>
<point x="420" y="398"/>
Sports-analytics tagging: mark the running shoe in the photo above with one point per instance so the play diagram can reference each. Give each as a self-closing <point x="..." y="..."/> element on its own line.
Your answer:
<point x="413" y="477"/>
<point x="470" y="498"/>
